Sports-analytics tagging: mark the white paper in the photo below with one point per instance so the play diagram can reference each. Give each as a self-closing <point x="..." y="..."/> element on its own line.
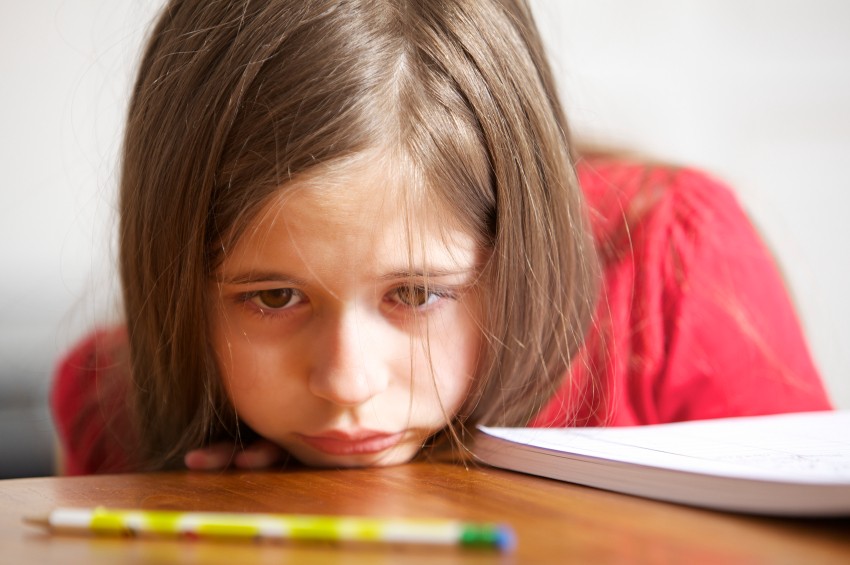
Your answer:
<point x="808" y="447"/>
<point x="782" y="464"/>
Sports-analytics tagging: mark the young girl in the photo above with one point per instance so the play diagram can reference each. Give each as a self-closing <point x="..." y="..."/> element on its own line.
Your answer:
<point x="352" y="230"/>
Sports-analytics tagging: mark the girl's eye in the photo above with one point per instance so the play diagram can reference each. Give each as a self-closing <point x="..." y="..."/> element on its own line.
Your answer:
<point x="276" y="298"/>
<point x="416" y="296"/>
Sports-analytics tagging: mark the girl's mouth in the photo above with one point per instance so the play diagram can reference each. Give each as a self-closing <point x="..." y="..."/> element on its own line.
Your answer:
<point x="357" y="442"/>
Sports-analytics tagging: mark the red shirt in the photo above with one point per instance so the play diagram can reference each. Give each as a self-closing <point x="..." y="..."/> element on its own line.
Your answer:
<point x="694" y="322"/>
<point x="90" y="405"/>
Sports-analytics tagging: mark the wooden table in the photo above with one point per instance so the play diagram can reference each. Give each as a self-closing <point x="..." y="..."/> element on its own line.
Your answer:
<point x="555" y="522"/>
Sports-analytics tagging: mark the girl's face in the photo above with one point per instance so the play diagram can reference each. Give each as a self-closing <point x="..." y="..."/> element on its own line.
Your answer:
<point x="342" y="334"/>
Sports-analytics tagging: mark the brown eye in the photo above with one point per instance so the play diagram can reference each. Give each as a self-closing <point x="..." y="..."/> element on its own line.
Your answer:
<point x="276" y="298"/>
<point x="415" y="296"/>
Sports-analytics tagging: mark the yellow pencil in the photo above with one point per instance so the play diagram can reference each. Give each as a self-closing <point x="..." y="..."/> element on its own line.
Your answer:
<point x="104" y="521"/>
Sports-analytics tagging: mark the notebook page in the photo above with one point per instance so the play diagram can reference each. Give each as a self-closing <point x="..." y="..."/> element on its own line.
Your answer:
<point x="808" y="448"/>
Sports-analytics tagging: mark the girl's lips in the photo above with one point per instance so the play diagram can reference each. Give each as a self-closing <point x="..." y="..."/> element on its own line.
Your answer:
<point x="351" y="443"/>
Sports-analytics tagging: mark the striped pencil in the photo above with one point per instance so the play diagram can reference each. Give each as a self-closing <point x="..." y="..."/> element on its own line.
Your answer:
<point x="118" y="522"/>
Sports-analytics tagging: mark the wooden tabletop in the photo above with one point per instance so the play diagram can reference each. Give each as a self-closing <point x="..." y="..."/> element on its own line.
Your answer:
<point x="555" y="522"/>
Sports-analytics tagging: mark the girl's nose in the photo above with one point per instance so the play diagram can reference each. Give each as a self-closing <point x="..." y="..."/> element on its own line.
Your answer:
<point x="350" y="364"/>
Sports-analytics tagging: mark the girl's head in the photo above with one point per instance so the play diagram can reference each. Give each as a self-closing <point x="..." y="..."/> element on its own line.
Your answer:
<point x="344" y="219"/>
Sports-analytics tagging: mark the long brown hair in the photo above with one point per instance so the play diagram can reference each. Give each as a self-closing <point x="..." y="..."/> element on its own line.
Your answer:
<point x="234" y="99"/>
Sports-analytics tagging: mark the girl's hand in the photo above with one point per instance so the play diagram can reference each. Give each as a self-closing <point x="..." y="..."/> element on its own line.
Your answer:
<point x="261" y="454"/>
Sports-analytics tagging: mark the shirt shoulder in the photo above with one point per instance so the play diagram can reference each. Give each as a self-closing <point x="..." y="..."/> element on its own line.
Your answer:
<point x="624" y="197"/>
<point x="694" y="320"/>
<point x="89" y="403"/>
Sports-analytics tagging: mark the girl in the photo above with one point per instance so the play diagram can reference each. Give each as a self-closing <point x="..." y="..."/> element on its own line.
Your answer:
<point x="352" y="230"/>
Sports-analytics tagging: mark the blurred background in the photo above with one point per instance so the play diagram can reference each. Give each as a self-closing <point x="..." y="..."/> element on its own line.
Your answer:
<point x="756" y="92"/>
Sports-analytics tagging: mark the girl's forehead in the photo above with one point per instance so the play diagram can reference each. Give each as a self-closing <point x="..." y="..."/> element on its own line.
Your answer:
<point x="357" y="209"/>
<point x="370" y="187"/>
<point x="353" y="228"/>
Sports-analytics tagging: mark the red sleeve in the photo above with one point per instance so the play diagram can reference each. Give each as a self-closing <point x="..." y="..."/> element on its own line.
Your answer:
<point x="89" y="405"/>
<point x="694" y="321"/>
<point x="735" y="344"/>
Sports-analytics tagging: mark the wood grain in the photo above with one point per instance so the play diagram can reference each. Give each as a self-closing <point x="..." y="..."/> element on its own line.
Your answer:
<point x="555" y="522"/>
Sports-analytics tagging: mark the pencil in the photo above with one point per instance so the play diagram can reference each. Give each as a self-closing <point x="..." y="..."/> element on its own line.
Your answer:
<point x="192" y="525"/>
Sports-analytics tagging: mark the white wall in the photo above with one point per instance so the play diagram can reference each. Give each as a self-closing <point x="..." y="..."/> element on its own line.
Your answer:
<point x="66" y="68"/>
<point x="755" y="91"/>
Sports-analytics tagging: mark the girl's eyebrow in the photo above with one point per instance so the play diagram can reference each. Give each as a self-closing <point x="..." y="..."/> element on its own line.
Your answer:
<point x="428" y="273"/>
<point x="252" y="277"/>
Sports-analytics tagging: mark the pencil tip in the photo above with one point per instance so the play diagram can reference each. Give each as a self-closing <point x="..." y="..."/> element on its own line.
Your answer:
<point x="40" y="521"/>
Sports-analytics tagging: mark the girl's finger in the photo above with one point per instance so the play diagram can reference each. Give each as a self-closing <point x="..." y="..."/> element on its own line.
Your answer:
<point x="211" y="458"/>
<point x="258" y="455"/>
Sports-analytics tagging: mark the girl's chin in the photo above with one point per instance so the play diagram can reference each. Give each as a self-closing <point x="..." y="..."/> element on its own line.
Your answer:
<point x="397" y="455"/>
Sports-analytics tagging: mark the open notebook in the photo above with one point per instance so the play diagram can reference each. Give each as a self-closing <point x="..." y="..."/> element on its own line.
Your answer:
<point x="789" y="464"/>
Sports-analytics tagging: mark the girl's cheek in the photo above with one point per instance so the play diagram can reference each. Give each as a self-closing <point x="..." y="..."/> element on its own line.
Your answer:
<point x="455" y="348"/>
<point x="245" y="322"/>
